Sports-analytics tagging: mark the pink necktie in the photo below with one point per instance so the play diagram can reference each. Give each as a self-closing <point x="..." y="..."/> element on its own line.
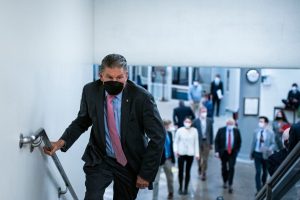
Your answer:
<point x="113" y="132"/>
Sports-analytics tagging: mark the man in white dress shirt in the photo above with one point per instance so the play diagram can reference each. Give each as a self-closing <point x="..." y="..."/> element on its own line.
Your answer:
<point x="227" y="146"/>
<point x="262" y="147"/>
<point x="204" y="125"/>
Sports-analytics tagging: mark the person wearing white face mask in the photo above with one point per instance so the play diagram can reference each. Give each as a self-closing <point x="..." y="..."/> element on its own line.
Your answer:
<point x="263" y="145"/>
<point x="186" y="147"/>
<point x="293" y="99"/>
<point x="216" y="89"/>
<point x="194" y="95"/>
<point x="227" y="146"/>
<point x="166" y="163"/>
<point x="204" y="125"/>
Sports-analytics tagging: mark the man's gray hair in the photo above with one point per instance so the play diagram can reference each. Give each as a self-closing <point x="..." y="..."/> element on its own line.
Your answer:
<point x="113" y="61"/>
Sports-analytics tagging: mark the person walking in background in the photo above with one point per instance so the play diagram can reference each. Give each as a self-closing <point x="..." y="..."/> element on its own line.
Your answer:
<point x="263" y="145"/>
<point x="186" y="147"/>
<point x="294" y="136"/>
<point x="180" y="113"/>
<point x="278" y="157"/>
<point x="140" y="82"/>
<point x="209" y="105"/>
<point x="204" y="126"/>
<point x="216" y="89"/>
<point x="167" y="161"/>
<point x="120" y="113"/>
<point x="293" y="99"/>
<point x="227" y="146"/>
<point x="279" y="124"/>
<point x="195" y="95"/>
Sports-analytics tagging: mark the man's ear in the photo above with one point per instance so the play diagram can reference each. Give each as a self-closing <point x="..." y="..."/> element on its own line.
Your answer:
<point x="101" y="76"/>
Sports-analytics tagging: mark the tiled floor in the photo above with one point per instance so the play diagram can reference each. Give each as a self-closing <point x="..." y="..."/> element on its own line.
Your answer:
<point x="211" y="188"/>
<point x="244" y="184"/>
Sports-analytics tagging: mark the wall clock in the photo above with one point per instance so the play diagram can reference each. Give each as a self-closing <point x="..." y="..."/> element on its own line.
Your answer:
<point x="252" y="75"/>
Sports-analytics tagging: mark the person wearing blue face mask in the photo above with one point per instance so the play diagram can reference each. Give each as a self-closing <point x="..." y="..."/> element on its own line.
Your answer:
<point x="227" y="146"/>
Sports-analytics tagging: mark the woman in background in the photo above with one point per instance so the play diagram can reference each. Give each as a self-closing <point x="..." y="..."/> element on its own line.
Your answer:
<point x="279" y="124"/>
<point x="186" y="147"/>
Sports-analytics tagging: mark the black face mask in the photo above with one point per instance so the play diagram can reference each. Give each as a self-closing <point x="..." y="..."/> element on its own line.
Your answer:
<point x="113" y="87"/>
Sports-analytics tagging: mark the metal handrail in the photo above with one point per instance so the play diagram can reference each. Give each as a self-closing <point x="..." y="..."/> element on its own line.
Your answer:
<point x="35" y="141"/>
<point x="266" y="191"/>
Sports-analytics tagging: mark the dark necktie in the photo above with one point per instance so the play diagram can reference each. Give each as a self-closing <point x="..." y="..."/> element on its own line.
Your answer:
<point x="261" y="139"/>
<point x="113" y="132"/>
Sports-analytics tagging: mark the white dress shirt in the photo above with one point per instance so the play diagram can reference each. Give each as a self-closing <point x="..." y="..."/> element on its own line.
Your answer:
<point x="257" y="147"/>
<point x="203" y="127"/>
<point x="231" y="135"/>
<point x="186" y="142"/>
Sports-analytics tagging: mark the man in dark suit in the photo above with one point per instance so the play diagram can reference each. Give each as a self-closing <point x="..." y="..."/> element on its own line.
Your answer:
<point x="121" y="114"/>
<point x="204" y="126"/>
<point x="180" y="113"/>
<point x="227" y="146"/>
<point x="216" y="89"/>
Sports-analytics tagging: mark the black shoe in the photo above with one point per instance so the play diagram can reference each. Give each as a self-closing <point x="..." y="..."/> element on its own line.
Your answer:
<point x="185" y="192"/>
<point x="170" y="195"/>
<point x="225" y="185"/>
<point x="230" y="190"/>
<point x="180" y="192"/>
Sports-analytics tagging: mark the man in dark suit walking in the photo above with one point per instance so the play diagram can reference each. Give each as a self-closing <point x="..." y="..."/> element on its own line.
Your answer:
<point x="216" y="89"/>
<point x="180" y="113"/>
<point x="227" y="146"/>
<point x="204" y="126"/>
<point x="121" y="114"/>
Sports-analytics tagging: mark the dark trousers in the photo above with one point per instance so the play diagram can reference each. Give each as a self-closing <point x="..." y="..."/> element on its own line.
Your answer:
<point x="228" y="163"/>
<point x="188" y="160"/>
<point x="99" y="177"/>
<point x="260" y="165"/>
<point x="216" y="105"/>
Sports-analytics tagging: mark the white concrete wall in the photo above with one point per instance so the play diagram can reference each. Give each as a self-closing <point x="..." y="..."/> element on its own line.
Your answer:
<point x="200" y="32"/>
<point x="46" y="50"/>
<point x="232" y="96"/>
<point x="271" y="95"/>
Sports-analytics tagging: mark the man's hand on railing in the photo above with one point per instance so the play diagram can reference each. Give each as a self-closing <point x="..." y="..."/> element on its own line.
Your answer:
<point x="54" y="147"/>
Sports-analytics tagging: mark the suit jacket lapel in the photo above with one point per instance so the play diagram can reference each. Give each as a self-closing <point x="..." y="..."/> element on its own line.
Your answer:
<point x="125" y="111"/>
<point x="207" y="131"/>
<point x="100" y="95"/>
<point x="200" y="128"/>
<point x="235" y="138"/>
